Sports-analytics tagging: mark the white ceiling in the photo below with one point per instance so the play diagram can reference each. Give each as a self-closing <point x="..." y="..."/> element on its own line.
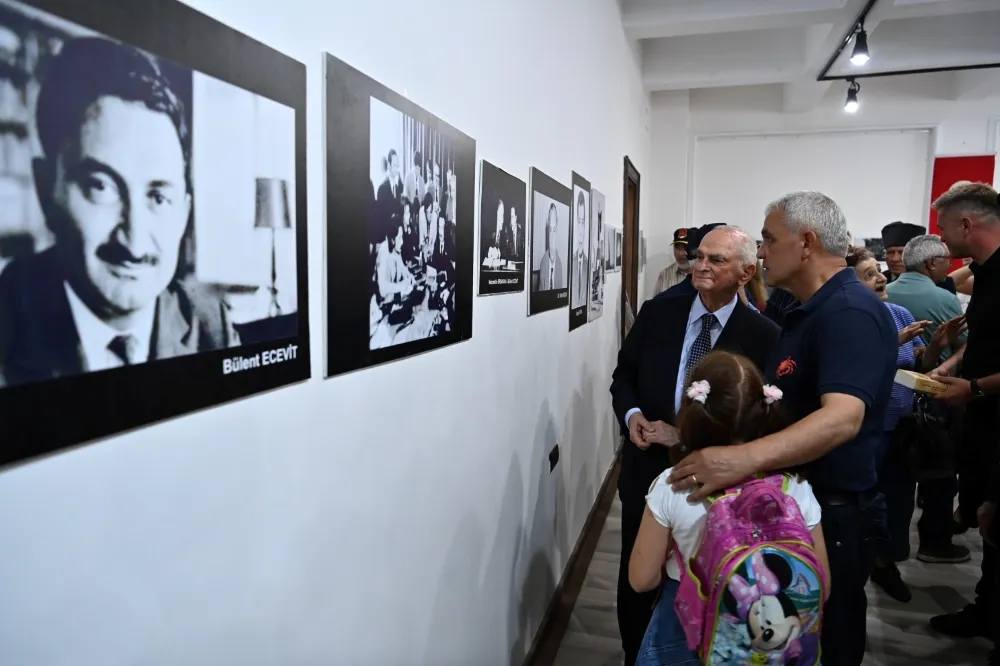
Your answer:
<point x="687" y="44"/>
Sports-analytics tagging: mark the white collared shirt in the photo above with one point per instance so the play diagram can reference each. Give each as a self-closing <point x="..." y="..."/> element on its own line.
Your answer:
<point x="690" y="335"/>
<point x="95" y="335"/>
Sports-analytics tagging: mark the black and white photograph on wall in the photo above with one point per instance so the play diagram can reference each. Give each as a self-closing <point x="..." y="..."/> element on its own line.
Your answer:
<point x="401" y="187"/>
<point x="618" y="250"/>
<point x="609" y="249"/>
<point x="874" y="245"/>
<point x="597" y="254"/>
<point x="152" y="224"/>
<point x="501" y="231"/>
<point x="579" y="265"/>
<point x="549" y="208"/>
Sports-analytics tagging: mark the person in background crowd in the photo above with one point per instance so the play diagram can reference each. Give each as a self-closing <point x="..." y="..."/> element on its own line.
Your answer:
<point x="671" y="334"/>
<point x="925" y="264"/>
<point x="969" y="222"/>
<point x="680" y="268"/>
<point x="895" y="236"/>
<point x="834" y="363"/>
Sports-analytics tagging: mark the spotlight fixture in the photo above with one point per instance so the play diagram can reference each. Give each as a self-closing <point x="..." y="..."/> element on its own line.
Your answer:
<point x="851" y="105"/>
<point x="860" y="55"/>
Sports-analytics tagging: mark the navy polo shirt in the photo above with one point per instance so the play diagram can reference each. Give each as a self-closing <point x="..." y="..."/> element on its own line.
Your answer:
<point x="842" y="340"/>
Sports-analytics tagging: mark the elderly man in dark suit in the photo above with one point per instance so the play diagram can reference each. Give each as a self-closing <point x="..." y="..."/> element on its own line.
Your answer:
<point x="114" y="185"/>
<point x="672" y="332"/>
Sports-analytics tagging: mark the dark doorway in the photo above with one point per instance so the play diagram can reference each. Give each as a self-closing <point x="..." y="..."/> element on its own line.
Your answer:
<point x="630" y="243"/>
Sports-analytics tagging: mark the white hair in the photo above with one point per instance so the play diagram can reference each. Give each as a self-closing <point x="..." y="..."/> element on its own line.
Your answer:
<point x="921" y="249"/>
<point x="745" y="242"/>
<point x="816" y="212"/>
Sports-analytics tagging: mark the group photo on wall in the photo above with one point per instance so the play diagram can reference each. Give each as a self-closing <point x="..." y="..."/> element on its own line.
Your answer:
<point x="152" y="237"/>
<point x="550" y="202"/>
<point x="501" y="231"/>
<point x="579" y="287"/>
<point x="399" y="242"/>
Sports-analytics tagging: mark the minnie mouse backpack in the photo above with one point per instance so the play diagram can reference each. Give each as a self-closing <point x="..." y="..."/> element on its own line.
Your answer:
<point x="753" y="592"/>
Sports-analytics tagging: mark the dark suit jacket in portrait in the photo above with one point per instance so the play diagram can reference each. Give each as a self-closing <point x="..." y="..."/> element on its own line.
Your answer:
<point x="39" y="340"/>
<point x="646" y="376"/>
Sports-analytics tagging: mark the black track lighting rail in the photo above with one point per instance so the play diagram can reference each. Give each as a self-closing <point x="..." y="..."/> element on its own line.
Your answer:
<point x="858" y="23"/>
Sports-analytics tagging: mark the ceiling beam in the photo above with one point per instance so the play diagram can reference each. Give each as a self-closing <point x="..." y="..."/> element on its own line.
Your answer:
<point x="976" y="84"/>
<point x="660" y="22"/>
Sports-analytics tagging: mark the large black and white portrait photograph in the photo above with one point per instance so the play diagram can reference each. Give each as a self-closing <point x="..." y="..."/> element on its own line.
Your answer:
<point x="152" y="233"/>
<point x="618" y="250"/>
<point x="400" y="216"/>
<point x="597" y="254"/>
<point x="609" y="248"/>
<point x="550" y="220"/>
<point x="501" y="231"/>
<point x="579" y="238"/>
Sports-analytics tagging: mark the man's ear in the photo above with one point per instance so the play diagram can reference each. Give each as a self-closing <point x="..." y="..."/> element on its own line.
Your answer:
<point x="810" y="243"/>
<point x="748" y="272"/>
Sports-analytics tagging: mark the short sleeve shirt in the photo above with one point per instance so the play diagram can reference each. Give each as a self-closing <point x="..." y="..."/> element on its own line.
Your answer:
<point x="842" y="340"/>
<point x="686" y="521"/>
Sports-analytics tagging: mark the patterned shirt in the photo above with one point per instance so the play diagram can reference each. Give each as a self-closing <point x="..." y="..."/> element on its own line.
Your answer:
<point x="901" y="398"/>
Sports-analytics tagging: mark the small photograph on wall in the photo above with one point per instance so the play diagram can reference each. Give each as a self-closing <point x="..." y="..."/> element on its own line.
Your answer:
<point x="153" y="230"/>
<point x="874" y="245"/>
<point x="597" y="254"/>
<point x="400" y="216"/>
<point x="550" y="211"/>
<point x="501" y="233"/>
<point x="618" y="250"/>
<point x="579" y="238"/>
<point x="609" y="248"/>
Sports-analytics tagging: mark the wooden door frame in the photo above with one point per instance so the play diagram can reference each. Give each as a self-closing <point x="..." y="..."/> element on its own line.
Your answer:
<point x="630" y="239"/>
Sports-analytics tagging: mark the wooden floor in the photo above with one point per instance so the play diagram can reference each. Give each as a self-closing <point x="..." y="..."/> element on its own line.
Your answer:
<point x="898" y="634"/>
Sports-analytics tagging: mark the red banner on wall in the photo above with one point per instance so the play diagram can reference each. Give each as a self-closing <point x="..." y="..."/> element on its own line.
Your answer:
<point x="949" y="170"/>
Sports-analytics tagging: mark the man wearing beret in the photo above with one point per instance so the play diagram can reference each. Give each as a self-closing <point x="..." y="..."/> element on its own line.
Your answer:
<point x="680" y="268"/>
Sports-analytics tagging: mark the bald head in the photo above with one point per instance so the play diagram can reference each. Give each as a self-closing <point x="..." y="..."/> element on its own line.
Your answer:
<point x="739" y="243"/>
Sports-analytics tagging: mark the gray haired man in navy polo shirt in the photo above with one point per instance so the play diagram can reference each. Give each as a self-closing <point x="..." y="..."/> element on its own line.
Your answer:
<point x="835" y="362"/>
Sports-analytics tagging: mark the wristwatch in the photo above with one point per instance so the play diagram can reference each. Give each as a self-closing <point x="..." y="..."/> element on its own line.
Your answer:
<point x="976" y="391"/>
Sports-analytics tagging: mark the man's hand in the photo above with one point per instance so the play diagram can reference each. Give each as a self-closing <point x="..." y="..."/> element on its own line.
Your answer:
<point x="711" y="470"/>
<point x="660" y="432"/>
<point x="986" y="514"/>
<point x="959" y="391"/>
<point x="947" y="334"/>
<point x="638" y="426"/>
<point x="912" y="330"/>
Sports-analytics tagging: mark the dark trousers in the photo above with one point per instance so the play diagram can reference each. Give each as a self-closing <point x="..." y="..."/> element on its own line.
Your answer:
<point x="634" y="608"/>
<point x="896" y="481"/>
<point x="853" y="525"/>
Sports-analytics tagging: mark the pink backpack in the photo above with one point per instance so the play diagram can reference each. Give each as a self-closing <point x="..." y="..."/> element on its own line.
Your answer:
<point x="753" y="592"/>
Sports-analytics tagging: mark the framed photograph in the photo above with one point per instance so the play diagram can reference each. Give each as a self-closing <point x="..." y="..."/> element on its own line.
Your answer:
<point x="609" y="248"/>
<point x="501" y="231"/>
<point x="549" y="210"/>
<point x="618" y="250"/>
<point x="874" y="245"/>
<point x="579" y="238"/>
<point x="153" y="230"/>
<point x="597" y="255"/>
<point x="400" y="186"/>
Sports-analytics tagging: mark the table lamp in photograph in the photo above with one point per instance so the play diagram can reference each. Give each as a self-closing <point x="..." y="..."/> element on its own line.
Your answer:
<point x="274" y="213"/>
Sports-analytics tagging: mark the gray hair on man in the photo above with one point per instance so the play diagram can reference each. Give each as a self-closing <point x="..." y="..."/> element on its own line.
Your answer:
<point x="816" y="212"/>
<point x="970" y="199"/>
<point x="921" y="249"/>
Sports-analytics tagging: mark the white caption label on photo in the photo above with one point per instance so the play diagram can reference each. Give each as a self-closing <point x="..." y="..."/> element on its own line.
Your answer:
<point x="266" y="357"/>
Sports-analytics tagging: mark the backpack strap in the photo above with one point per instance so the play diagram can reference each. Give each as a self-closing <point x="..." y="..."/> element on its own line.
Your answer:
<point x="784" y="480"/>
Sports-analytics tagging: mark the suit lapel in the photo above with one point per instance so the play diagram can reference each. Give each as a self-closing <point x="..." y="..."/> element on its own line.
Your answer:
<point x="730" y="335"/>
<point x="174" y="334"/>
<point x="673" y="345"/>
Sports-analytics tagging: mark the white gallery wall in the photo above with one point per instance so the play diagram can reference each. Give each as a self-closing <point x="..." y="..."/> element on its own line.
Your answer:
<point x="681" y="120"/>
<point x="399" y="515"/>
<point x="876" y="176"/>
